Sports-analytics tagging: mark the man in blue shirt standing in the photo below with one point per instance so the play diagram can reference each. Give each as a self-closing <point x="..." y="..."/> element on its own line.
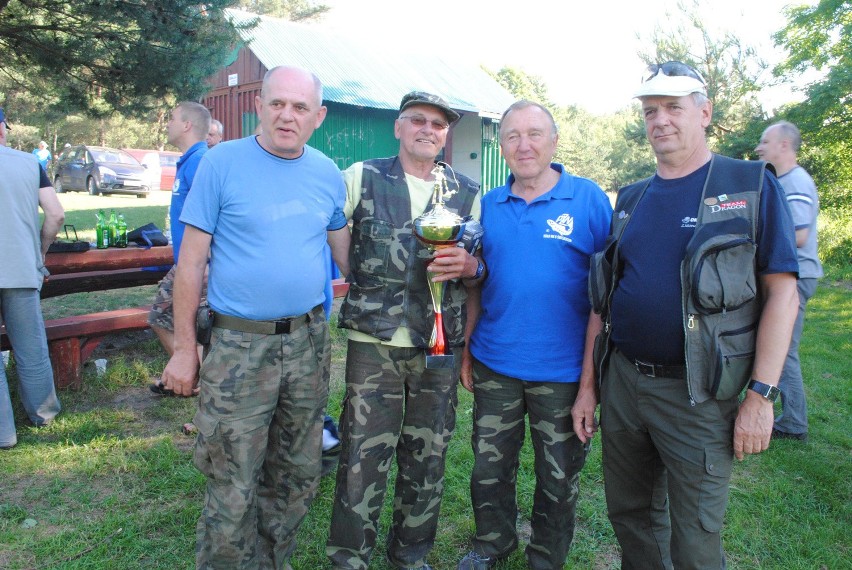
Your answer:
<point x="187" y="130"/>
<point x="527" y="352"/>
<point x="262" y="209"/>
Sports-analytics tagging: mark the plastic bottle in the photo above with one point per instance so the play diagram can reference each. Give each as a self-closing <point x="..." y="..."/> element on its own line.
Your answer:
<point x="102" y="231"/>
<point x="121" y="232"/>
<point x="113" y="227"/>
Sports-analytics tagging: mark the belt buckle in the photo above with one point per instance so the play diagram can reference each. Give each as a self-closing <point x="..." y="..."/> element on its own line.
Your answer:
<point x="644" y="368"/>
<point x="283" y="326"/>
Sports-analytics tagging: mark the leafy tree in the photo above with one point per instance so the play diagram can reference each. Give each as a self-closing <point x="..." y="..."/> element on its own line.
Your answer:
<point x="293" y="10"/>
<point x="523" y="85"/>
<point x="100" y="56"/>
<point x="820" y="37"/>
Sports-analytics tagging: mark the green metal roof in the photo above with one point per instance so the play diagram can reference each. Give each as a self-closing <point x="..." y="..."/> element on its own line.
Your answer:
<point x="366" y="76"/>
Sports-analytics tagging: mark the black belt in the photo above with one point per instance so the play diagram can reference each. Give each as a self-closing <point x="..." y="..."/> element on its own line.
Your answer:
<point x="660" y="370"/>
<point x="279" y="326"/>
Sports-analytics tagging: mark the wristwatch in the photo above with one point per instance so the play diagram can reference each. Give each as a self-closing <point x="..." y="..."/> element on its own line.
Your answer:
<point x="479" y="269"/>
<point x="766" y="390"/>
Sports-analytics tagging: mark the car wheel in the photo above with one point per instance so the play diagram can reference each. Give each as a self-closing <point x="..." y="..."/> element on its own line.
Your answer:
<point x="92" y="186"/>
<point x="57" y="185"/>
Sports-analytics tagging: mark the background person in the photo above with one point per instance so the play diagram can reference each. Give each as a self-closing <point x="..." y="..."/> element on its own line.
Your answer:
<point x="187" y="129"/>
<point x="670" y="411"/>
<point x="263" y="208"/>
<point x="214" y="134"/>
<point x="43" y="155"/>
<point x="24" y="188"/>
<point x="526" y="354"/>
<point x="779" y="145"/>
<point x="394" y="405"/>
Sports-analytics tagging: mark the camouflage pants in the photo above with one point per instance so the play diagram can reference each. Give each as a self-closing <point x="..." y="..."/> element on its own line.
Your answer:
<point x="392" y="405"/>
<point x="500" y="404"/>
<point x="259" y="419"/>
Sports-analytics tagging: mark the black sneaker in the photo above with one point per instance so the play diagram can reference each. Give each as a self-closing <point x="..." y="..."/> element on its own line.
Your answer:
<point x="778" y="434"/>
<point x="474" y="561"/>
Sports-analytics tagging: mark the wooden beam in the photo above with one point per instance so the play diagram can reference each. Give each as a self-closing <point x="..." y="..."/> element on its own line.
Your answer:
<point x="109" y="259"/>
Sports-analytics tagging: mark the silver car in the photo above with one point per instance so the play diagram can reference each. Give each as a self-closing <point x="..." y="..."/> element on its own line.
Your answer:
<point x="100" y="170"/>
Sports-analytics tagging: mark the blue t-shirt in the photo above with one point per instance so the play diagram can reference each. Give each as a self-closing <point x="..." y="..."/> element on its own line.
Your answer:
<point x="647" y="313"/>
<point x="268" y="217"/>
<point x="184" y="175"/>
<point x="535" y="306"/>
<point x="43" y="157"/>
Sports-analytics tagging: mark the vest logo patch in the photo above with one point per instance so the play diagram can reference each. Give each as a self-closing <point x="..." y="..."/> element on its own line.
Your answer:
<point x="724" y="206"/>
<point x="563" y="226"/>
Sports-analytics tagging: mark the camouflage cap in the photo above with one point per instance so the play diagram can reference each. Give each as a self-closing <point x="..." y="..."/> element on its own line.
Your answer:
<point x="423" y="98"/>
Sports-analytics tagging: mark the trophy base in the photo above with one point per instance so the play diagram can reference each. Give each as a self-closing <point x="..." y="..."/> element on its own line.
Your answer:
<point x="439" y="361"/>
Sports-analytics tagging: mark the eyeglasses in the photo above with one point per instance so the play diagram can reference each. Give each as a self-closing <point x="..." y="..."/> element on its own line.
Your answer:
<point x="420" y="121"/>
<point x="672" y="69"/>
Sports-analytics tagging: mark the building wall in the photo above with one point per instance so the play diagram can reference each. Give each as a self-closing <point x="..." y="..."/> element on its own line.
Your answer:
<point x="466" y="148"/>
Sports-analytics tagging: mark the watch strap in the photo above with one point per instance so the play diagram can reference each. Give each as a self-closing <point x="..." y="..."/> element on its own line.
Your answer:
<point x="768" y="391"/>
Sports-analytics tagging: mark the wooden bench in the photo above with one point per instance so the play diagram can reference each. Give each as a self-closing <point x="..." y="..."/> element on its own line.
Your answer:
<point x="71" y="340"/>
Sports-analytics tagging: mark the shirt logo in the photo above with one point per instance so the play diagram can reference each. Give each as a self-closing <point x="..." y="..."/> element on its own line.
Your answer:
<point x="688" y="222"/>
<point x="725" y="206"/>
<point x="563" y="226"/>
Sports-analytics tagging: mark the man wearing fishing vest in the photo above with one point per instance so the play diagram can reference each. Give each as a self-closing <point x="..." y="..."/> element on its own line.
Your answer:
<point x="393" y="403"/>
<point x="697" y="292"/>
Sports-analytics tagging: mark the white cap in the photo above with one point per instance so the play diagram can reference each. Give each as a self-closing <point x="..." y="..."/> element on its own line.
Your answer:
<point x="670" y="85"/>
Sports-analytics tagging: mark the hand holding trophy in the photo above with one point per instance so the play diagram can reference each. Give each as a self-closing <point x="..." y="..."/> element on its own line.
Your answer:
<point x="438" y="228"/>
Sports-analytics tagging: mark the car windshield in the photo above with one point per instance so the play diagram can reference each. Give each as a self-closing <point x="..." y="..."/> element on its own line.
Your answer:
<point x="113" y="156"/>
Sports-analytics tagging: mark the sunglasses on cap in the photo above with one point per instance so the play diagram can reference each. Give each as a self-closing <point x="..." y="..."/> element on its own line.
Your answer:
<point x="672" y="69"/>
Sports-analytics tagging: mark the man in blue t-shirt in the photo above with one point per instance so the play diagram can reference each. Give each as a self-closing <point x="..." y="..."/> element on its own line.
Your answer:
<point x="779" y="145"/>
<point x="187" y="130"/>
<point x="527" y="352"/>
<point x="43" y="155"/>
<point x="262" y="208"/>
<point x="671" y="429"/>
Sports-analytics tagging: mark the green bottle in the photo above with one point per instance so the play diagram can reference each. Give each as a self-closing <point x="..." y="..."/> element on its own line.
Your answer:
<point x="102" y="231"/>
<point x="121" y="232"/>
<point x="113" y="226"/>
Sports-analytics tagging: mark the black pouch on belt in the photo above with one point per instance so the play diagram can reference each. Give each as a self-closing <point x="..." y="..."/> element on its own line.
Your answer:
<point x="203" y="325"/>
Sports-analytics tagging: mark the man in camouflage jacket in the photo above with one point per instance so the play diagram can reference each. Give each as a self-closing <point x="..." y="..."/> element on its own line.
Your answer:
<point x="393" y="403"/>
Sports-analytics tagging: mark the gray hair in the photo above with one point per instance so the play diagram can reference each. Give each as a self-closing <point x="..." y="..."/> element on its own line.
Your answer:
<point x="219" y="126"/>
<point x="317" y="82"/>
<point x="198" y="115"/>
<point x="790" y="132"/>
<point x="525" y="103"/>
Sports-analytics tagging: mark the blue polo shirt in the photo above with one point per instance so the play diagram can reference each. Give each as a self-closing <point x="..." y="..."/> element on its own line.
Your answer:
<point x="184" y="175"/>
<point x="535" y="305"/>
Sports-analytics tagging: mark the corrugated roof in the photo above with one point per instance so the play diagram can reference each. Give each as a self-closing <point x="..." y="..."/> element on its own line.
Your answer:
<point x="366" y="76"/>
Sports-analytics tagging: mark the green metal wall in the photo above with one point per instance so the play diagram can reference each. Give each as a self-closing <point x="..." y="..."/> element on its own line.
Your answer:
<point x="494" y="168"/>
<point x="352" y="134"/>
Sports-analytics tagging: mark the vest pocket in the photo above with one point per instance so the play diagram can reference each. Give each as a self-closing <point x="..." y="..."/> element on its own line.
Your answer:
<point x="723" y="275"/>
<point x="731" y="368"/>
<point x="372" y="248"/>
<point x="358" y="312"/>
<point x="600" y="277"/>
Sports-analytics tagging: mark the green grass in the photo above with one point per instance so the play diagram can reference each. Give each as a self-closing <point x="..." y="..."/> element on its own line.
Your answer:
<point x="111" y="483"/>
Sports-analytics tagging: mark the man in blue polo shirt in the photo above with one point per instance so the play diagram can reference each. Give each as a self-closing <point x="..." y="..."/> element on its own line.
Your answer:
<point x="526" y="353"/>
<point x="187" y="130"/>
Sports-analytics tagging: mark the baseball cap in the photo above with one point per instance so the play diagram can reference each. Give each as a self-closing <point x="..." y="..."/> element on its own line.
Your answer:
<point x="423" y="98"/>
<point x="3" y="118"/>
<point x="673" y="78"/>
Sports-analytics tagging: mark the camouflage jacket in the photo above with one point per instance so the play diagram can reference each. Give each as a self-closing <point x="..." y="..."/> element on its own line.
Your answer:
<point x="387" y="282"/>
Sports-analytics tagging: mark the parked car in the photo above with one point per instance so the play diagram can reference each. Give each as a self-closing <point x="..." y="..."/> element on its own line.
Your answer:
<point x="100" y="170"/>
<point x="168" y="164"/>
<point x="150" y="159"/>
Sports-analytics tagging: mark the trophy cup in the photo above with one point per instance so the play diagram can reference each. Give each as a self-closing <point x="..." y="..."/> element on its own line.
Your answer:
<point x="438" y="228"/>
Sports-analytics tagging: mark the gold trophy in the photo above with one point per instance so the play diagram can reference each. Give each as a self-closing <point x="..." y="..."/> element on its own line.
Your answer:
<point x="438" y="228"/>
